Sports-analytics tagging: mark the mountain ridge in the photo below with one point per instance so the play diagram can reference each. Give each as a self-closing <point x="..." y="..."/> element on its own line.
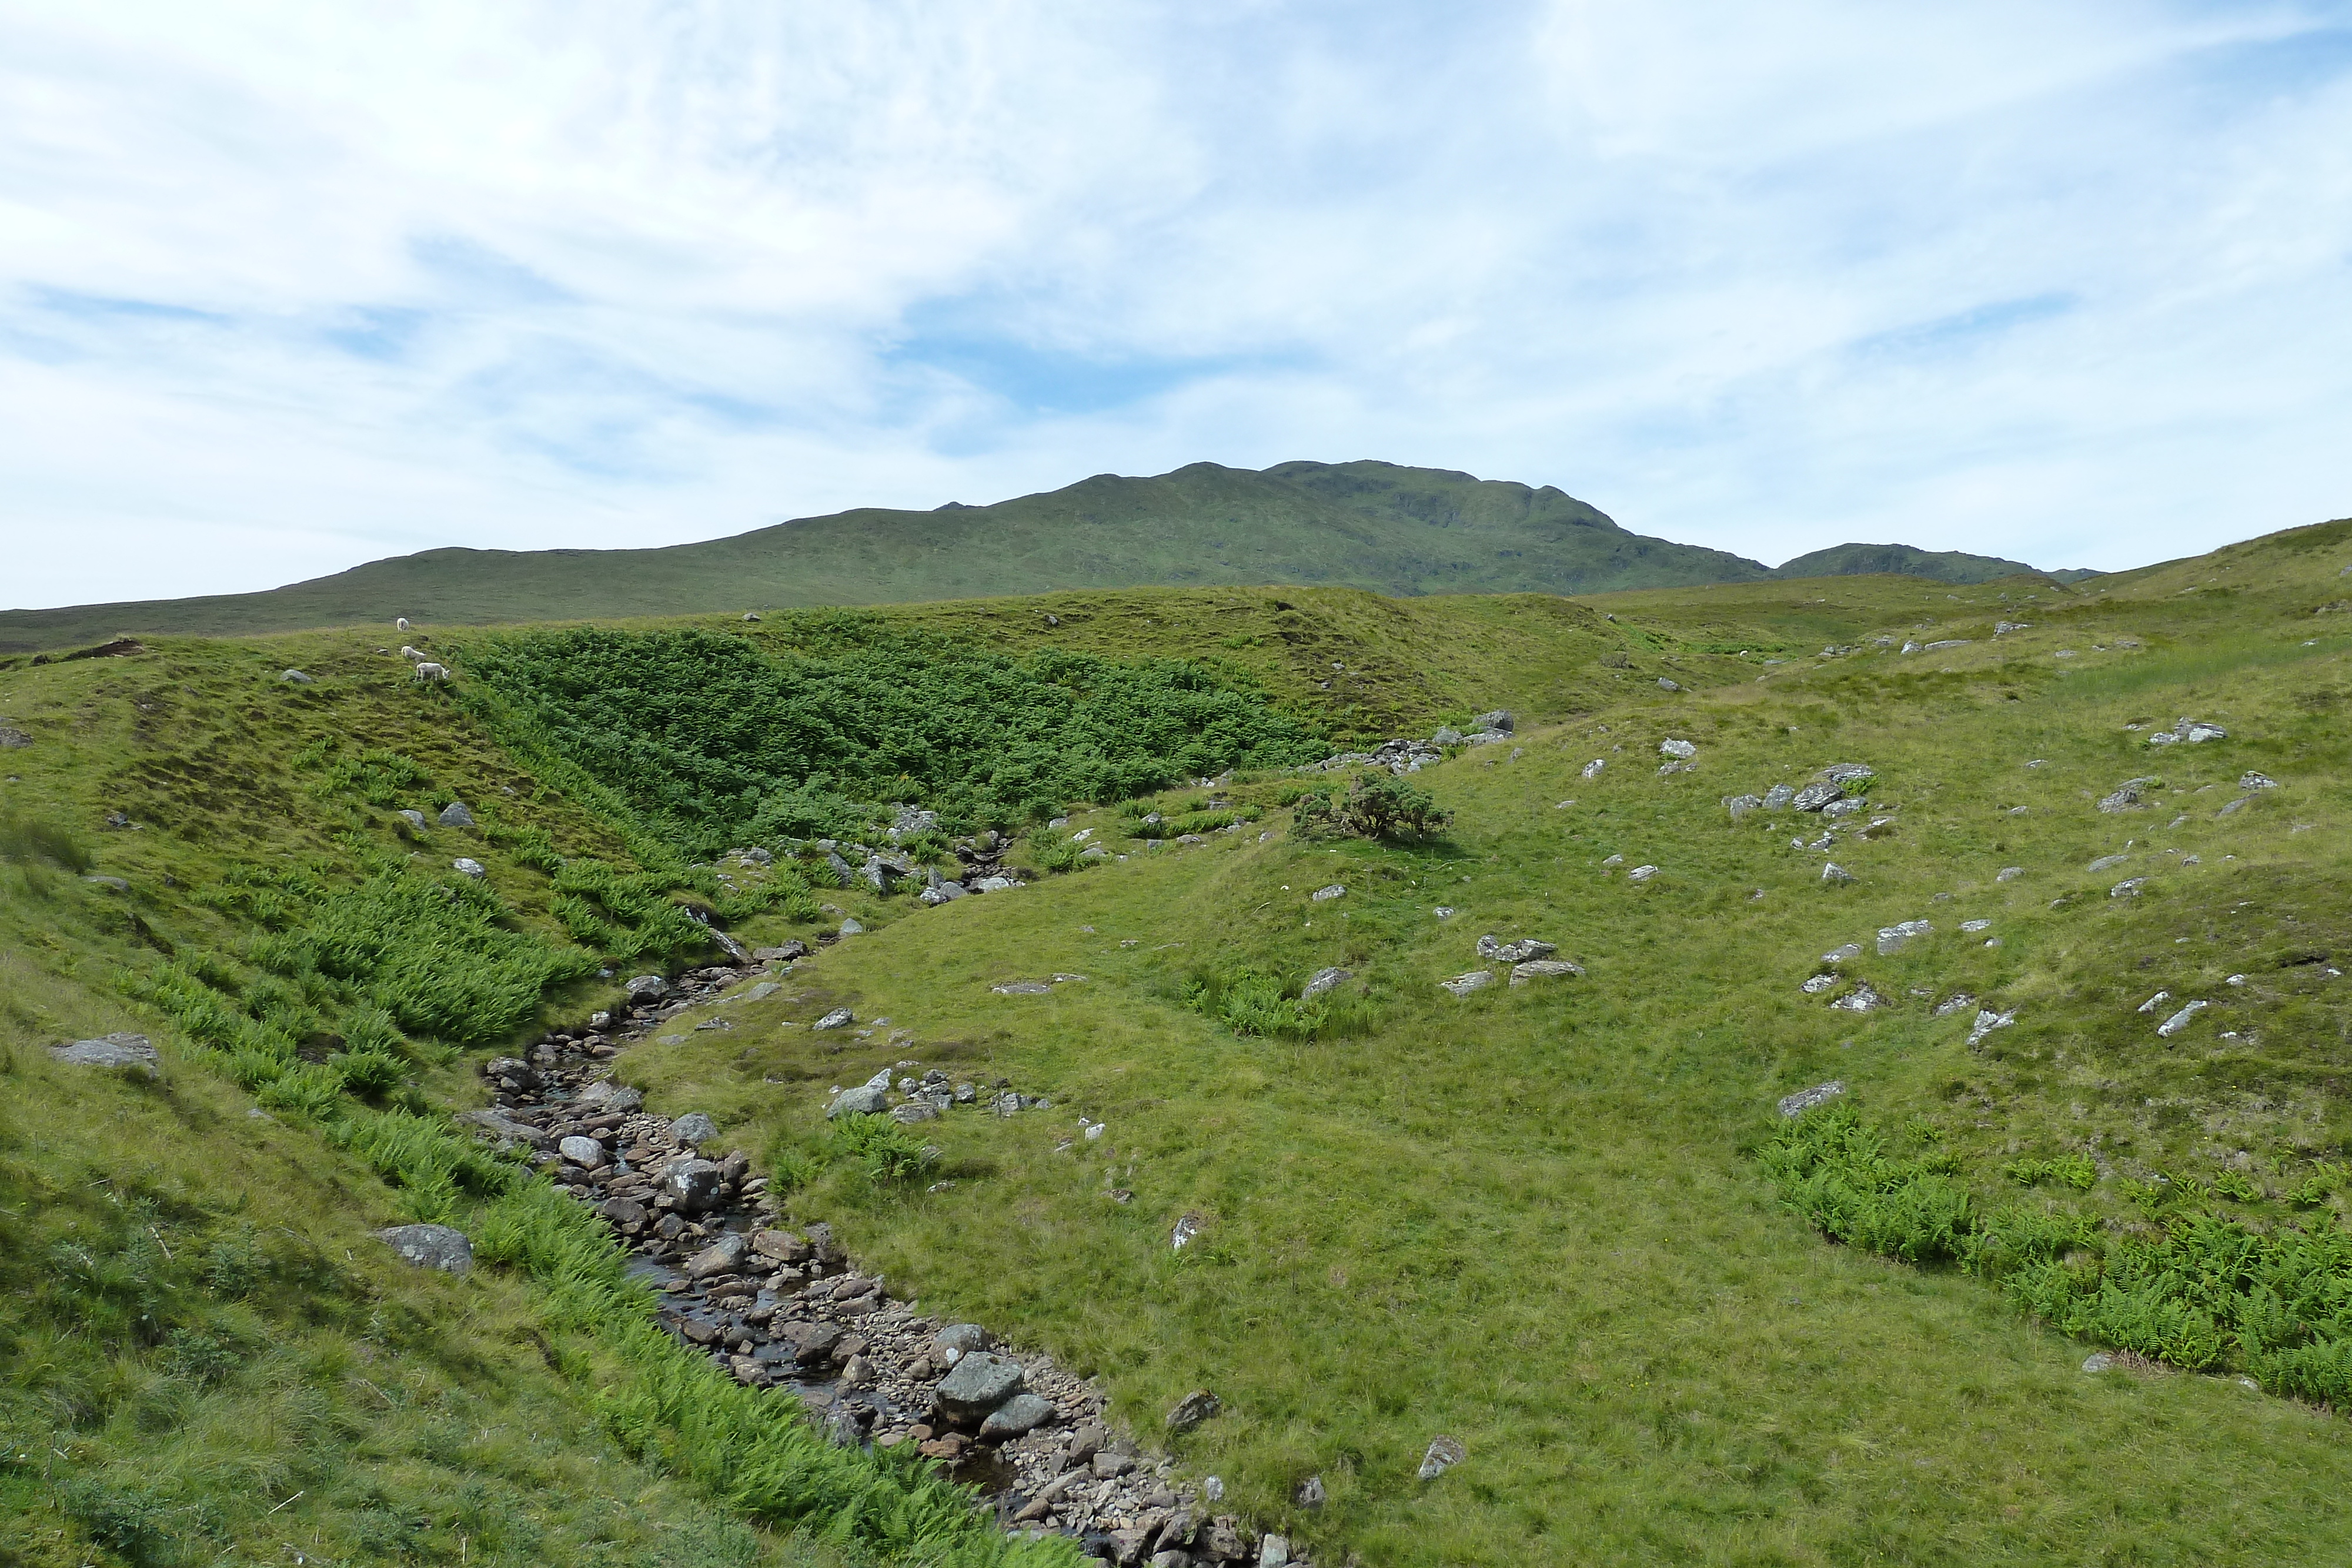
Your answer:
<point x="1389" y="529"/>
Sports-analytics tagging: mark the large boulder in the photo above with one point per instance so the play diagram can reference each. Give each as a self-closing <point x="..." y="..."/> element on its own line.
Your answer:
<point x="724" y="1256"/>
<point x="978" y="1384"/>
<point x="691" y="1186"/>
<point x="645" y="988"/>
<point x="695" y="1128"/>
<point x="1816" y="795"/>
<point x="507" y="1130"/>
<point x="1020" y="1415"/>
<point x="431" y="1246"/>
<point x="865" y="1100"/>
<point x="456" y="815"/>
<point x="1544" y="969"/>
<point x="1321" y="981"/>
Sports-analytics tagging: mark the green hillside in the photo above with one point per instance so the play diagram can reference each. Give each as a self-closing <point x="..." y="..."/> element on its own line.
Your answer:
<point x="1558" y="1222"/>
<point x="1939" y="566"/>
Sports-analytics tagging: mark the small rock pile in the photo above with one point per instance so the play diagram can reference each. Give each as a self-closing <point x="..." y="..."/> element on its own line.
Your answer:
<point x="1404" y="756"/>
<point x="782" y="1307"/>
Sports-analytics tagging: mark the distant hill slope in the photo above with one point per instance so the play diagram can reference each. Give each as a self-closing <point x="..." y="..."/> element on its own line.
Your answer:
<point x="1395" y="530"/>
<point x="1907" y="560"/>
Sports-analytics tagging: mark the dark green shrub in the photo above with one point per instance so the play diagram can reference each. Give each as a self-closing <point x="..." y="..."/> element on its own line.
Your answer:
<point x="32" y="839"/>
<point x="1375" y="806"/>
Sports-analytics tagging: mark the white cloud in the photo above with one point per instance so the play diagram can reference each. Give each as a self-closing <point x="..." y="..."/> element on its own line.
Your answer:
<point x="285" y="288"/>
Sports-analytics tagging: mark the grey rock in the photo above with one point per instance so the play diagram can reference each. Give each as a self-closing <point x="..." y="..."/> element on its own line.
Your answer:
<point x="1861" y="999"/>
<point x="1325" y="894"/>
<point x="12" y="737"/>
<point x="842" y="874"/>
<point x="2128" y="795"/>
<point x="1835" y="873"/>
<point x="945" y="893"/>
<point x="963" y="1339"/>
<point x="1740" y="805"/>
<point x="1959" y="1001"/>
<point x="2179" y="1021"/>
<point x="915" y="1111"/>
<point x="2235" y="806"/>
<point x="976" y="1386"/>
<point x="1273" y="1551"/>
<point x="839" y="1018"/>
<point x="1500" y="718"/>
<point x="2128" y="888"/>
<point x="693" y="1127"/>
<point x="1777" y="795"/>
<point x="1544" y="969"/>
<point x="761" y="992"/>
<point x="1666" y="686"/>
<point x="456" y="815"/>
<point x="2251" y="781"/>
<point x="299" y="677"/>
<point x="1191" y="1410"/>
<point x="1514" y="952"/>
<point x="1022" y="1414"/>
<point x="1463" y="985"/>
<point x="1844" y="808"/>
<point x="2009" y="873"/>
<point x="1446" y="735"/>
<point x="431" y="1246"/>
<point x="1893" y="939"/>
<point x="1642" y="873"/>
<point x="2105" y="862"/>
<point x="583" y="1151"/>
<point x="130" y="1051"/>
<point x="414" y="818"/>
<point x="507" y="1130"/>
<point x="851" y="927"/>
<point x="1309" y="1493"/>
<point x="723" y="1256"/>
<point x="647" y="989"/>
<point x="1987" y="1020"/>
<point x="1816" y="795"/>
<point x="2099" y="1361"/>
<point x="1443" y="1454"/>
<point x="466" y="866"/>
<point x="1682" y="749"/>
<point x="994" y="885"/>
<point x="1022" y="988"/>
<point x="1804" y="1100"/>
<point x="1321" y="981"/>
<point x="1593" y="769"/>
<point x="692" y="1186"/>
<point x="1817" y="984"/>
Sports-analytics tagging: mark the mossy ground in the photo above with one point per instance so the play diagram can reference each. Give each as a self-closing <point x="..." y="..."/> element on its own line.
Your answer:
<point x="1530" y="1218"/>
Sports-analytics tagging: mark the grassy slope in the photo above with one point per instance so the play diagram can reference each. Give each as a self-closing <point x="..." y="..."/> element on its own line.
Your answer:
<point x="152" y="1408"/>
<point x="1532" y="1219"/>
<point x="1940" y="566"/>
<point x="1371" y="525"/>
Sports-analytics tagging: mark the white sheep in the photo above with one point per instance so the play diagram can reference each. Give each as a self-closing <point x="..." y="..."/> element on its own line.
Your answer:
<point x="409" y="654"/>
<point x="432" y="672"/>
<point x="400" y="624"/>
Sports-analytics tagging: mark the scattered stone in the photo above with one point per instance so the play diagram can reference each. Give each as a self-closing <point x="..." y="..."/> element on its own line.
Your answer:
<point x="431" y="1246"/>
<point x="298" y="678"/>
<point x="132" y="1052"/>
<point x="1666" y="686"/>
<point x="507" y="1130"/>
<point x="456" y="815"/>
<point x="694" y="1128"/>
<point x="1323" y="894"/>
<point x="1184" y="1230"/>
<point x="2008" y="873"/>
<point x="1741" y="805"/>
<point x="1988" y="1021"/>
<point x="865" y="1100"/>
<point x="465" y="867"/>
<point x="2150" y="1005"/>
<point x="647" y="989"/>
<point x="1191" y="1410"/>
<point x="1443" y="1454"/>
<point x="1893" y="939"/>
<point x="2099" y="1361"/>
<point x="2179" y="1021"/>
<point x="1804" y="1100"/>
<point x="1841" y="954"/>
<point x="414" y="818"/>
<point x="1818" y="984"/>
<point x="1310" y="1493"/>
<point x="2107" y="862"/>
<point x="1835" y="873"/>
<point x="839" y="1018"/>
<point x="583" y="1151"/>
<point x="1861" y="999"/>
<point x="2128" y="888"/>
<point x="913" y="1112"/>
<point x="1500" y="718"/>
<point x="2251" y="781"/>
<point x="2128" y="795"/>
<point x="1544" y="969"/>
<point x="691" y="1186"/>
<point x="1514" y="952"/>
<point x="1642" y="873"/>
<point x="1022" y="988"/>
<point x="1323" y="980"/>
<point x="1973" y="926"/>
<point x="1681" y="749"/>
<point x="1816" y="795"/>
<point x="1959" y="1001"/>
<point x="1463" y="985"/>
<point x="1593" y="769"/>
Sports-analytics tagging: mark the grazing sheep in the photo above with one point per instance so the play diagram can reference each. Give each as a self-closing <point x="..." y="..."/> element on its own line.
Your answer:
<point x="409" y="654"/>
<point x="400" y="625"/>
<point x="432" y="672"/>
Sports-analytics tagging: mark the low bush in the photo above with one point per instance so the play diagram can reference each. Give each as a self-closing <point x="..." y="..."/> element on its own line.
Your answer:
<point x="1374" y="806"/>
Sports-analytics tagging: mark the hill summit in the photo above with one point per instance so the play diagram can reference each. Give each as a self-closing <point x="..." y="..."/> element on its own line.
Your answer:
<point x="1377" y="525"/>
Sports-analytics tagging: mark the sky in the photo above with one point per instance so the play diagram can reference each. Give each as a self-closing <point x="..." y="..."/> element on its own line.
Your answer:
<point x="284" y="287"/>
